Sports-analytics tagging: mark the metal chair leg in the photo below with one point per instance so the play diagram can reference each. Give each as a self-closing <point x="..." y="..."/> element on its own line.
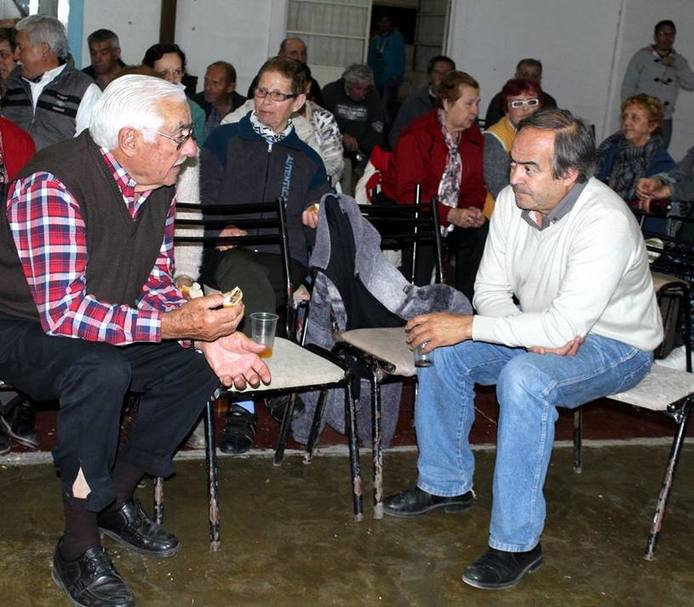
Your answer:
<point x="212" y="476"/>
<point x="355" y="468"/>
<point x="285" y="426"/>
<point x="159" y="500"/>
<point x="376" y="445"/>
<point x="659" y="514"/>
<point x="315" y="426"/>
<point x="578" y="440"/>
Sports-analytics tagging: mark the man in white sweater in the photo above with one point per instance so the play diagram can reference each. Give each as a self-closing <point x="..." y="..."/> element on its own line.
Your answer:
<point x="566" y="314"/>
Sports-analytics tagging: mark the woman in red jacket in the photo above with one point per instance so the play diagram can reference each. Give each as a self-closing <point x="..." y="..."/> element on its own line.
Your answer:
<point x="442" y="152"/>
<point x="16" y="148"/>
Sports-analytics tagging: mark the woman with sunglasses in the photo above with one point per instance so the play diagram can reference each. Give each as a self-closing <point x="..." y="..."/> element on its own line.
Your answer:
<point x="520" y="98"/>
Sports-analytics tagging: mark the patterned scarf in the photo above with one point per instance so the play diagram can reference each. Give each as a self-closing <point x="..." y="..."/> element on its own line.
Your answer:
<point x="267" y="133"/>
<point x="449" y="188"/>
<point x="630" y="163"/>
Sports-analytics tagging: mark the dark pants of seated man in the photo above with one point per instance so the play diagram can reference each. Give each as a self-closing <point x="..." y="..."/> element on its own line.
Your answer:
<point x="467" y="245"/>
<point x="259" y="275"/>
<point x="90" y="381"/>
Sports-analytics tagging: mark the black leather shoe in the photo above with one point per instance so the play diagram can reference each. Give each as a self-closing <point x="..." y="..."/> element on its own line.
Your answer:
<point x="239" y="431"/>
<point x="276" y="406"/>
<point x="415" y="502"/>
<point x="18" y="418"/>
<point x="497" y="569"/>
<point x="131" y="526"/>
<point x="91" y="580"/>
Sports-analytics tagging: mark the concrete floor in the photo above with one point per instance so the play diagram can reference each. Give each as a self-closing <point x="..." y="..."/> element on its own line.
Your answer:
<point x="288" y="537"/>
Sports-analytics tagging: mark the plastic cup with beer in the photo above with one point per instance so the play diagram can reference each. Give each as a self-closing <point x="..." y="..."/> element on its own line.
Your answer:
<point x="263" y="328"/>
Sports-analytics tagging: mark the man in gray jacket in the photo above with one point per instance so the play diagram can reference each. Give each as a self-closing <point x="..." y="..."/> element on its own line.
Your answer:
<point x="660" y="71"/>
<point x="46" y="95"/>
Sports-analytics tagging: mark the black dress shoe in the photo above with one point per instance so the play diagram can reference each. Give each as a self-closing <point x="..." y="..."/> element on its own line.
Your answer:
<point x="239" y="431"/>
<point x="131" y="526"/>
<point x="91" y="580"/>
<point x="18" y="418"/>
<point x="498" y="569"/>
<point x="415" y="502"/>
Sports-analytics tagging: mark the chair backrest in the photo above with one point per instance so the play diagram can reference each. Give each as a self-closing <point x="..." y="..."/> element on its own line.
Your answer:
<point x="410" y="225"/>
<point x="265" y="222"/>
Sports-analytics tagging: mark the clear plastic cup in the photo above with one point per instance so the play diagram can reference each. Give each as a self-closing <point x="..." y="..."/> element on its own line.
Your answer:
<point x="263" y="329"/>
<point x="421" y="358"/>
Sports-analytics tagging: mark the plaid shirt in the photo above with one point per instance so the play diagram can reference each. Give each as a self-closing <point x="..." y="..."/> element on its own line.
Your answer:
<point x="51" y="240"/>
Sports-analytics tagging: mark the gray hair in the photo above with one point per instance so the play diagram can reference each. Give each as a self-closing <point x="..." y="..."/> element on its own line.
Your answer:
<point x="358" y="72"/>
<point x="574" y="142"/>
<point x="42" y="28"/>
<point x="131" y="101"/>
<point x="104" y="35"/>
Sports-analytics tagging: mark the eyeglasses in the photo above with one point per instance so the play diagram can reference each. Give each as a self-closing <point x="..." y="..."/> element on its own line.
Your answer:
<point x="171" y="73"/>
<point x="519" y="103"/>
<point x="261" y="93"/>
<point x="180" y="140"/>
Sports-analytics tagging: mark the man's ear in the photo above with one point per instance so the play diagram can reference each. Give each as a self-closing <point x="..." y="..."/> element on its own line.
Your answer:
<point x="129" y="141"/>
<point x="570" y="177"/>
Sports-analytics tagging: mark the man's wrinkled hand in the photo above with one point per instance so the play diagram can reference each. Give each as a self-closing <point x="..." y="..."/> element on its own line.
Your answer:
<point x="568" y="349"/>
<point x="438" y="329"/>
<point x="201" y="318"/>
<point x="234" y="359"/>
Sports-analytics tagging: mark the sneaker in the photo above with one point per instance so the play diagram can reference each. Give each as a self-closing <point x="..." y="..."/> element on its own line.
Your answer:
<point x="18" y="418"/>
<point x="239" y="431"/>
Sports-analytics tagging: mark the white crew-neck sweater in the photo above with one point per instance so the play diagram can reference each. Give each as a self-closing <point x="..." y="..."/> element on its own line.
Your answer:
<point x="586" y="273"/>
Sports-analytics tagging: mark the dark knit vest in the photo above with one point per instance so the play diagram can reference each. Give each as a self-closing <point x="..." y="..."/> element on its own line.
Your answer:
<point x="121" y="251"/>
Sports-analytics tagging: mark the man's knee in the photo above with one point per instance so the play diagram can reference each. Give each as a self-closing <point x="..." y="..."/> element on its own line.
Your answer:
<point x="521" y="376"/>
<point x="101" y="366"/>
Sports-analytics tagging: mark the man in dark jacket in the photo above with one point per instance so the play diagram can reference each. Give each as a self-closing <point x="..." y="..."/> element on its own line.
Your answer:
<point x="219" y="96"/>
<point x="89" y="312"/>
<point x="530" y="69"/>
<point x="421" y="101"/>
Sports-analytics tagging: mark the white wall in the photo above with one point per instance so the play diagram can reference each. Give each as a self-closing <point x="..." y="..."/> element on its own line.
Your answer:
<point x="574" y="41"/>
<point x="245" y="32"/>
<point x="135" y="21"/>
<point x="584" y="46"/>
<point x="638" y="19"/>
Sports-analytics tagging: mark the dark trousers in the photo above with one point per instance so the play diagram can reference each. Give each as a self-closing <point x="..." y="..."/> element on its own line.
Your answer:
<point x="466" y="244"/>
<point x="90" y="381"/>
<point x="258" y="274"/>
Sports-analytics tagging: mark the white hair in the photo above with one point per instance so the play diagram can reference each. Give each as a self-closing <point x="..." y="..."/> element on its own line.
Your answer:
<point x="131" y="101"/>
<point x="42" y="28"/>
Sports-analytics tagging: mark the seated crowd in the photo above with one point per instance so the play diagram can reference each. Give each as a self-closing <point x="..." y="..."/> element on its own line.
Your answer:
<point x="530" y="213"/>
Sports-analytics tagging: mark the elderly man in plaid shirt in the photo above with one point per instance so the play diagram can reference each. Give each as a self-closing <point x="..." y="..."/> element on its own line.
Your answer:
<point x="89" y="312"/>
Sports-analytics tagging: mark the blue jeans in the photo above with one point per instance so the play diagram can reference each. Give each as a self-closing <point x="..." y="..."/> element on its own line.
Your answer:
<point x="529" y="387"/>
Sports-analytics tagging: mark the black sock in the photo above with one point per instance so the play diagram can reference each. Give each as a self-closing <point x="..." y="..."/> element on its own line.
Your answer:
<point x="81" y="530"/>
<point x="125" y="479"/>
